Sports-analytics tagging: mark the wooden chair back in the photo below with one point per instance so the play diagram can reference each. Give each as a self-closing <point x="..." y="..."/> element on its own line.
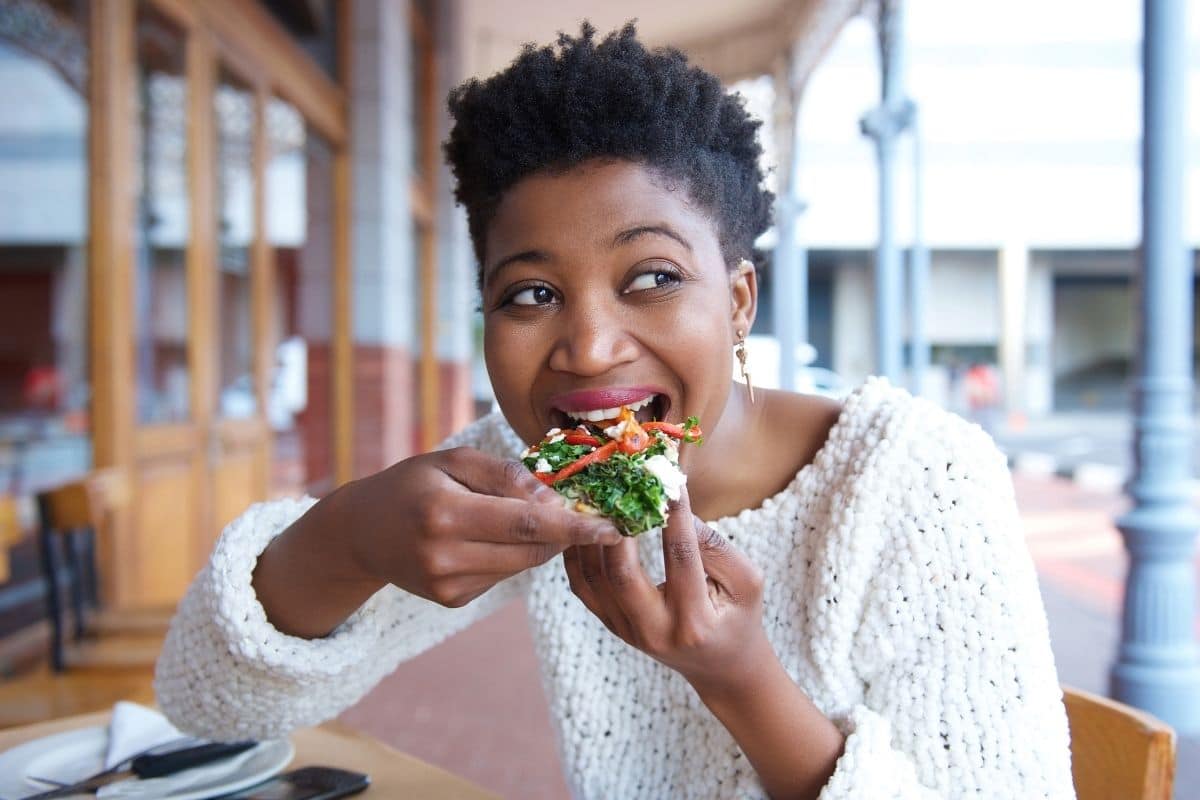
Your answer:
<point x="10" y="533"/>
<point x="83" y="503"/>
<point x="1117" y="751"/>
<point x="72" y="515"/>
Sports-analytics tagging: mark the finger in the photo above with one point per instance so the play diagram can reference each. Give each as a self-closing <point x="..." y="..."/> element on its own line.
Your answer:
<point x="584" y="580"/>
<point x="636" y="596"/>
<point x="490" y="558"/>
<point x="485" y="474"/>
<point x="719" y="557"/>
<point x="505" y="520"/>
<point x="591" y="567"/>
<point x="686" y="586"/>
<point x="725" y="564"/>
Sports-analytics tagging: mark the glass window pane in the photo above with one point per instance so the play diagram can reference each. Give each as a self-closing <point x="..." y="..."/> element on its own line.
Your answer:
<point x="300" y="231"/>
<point x="160" y="285"/>
<point x="234" y="106"/>
<point x="45" y="430"/>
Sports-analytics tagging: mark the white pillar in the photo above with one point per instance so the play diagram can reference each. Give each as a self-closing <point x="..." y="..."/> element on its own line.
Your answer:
<point x="1014" y="278"/>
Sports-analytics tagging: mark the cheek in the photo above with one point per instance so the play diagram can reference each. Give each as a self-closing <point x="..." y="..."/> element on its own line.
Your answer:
<point x="512" y="367"/>
<point x="500" y="354"/>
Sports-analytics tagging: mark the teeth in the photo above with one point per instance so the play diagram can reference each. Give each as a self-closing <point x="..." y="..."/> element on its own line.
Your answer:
<point x="601" y="414"/>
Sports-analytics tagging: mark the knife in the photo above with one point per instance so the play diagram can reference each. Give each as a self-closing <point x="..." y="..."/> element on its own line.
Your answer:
<point x="151" y="766"/>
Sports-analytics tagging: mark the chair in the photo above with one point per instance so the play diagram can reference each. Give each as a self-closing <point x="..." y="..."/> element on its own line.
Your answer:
<point x="1118" y="752"/>
<point x="71" y="517"/>
<point x="68" y="519"/>
<point x="10" y="532"/>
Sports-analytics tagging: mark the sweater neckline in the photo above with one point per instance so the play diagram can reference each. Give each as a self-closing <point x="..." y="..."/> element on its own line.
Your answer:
<point x="825" y="458"/>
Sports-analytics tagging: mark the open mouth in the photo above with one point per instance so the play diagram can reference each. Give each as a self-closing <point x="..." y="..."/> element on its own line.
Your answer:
<point x="654" y="407"/>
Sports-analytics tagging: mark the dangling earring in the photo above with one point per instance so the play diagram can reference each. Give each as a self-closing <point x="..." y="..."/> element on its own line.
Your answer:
<point x="740" y="352"/>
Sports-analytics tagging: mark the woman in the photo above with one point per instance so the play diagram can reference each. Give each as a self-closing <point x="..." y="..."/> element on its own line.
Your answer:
<point x="858" y="619"/>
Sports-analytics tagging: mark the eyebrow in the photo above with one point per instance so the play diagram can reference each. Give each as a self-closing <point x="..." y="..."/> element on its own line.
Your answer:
<point x="624" y="237"/>
<point x="531" y="256"/>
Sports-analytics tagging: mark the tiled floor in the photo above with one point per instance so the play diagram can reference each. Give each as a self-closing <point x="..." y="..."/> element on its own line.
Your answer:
<point x="474" y="703"/>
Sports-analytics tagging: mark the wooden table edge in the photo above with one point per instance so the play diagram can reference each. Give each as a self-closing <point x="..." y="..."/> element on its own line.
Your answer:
<point x="393" y="773"/>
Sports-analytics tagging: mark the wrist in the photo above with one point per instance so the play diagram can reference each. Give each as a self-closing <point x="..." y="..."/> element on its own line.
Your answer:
<point x="756" y="667"/>
<point x="340" y="530"/>
<point x="308" y="579"/>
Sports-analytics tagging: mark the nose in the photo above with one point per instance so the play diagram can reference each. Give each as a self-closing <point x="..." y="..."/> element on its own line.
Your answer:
<point x="590" y="342"/>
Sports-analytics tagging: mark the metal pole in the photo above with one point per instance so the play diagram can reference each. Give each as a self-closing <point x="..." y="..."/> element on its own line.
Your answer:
<point x="790" y="265"/>
<point x="918" y="279"/>
<point x="884" y="124"/>
<point x="1158" y="664"/>
<point x="785" y="290"/>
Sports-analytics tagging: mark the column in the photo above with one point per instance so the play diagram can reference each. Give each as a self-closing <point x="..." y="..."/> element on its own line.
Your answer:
<point x="790" y="265"/>
<point x="918" y="273"/>
<point x="457" y="294"/>
<point x="1158" y="662"/>
<point x="883" y="124"/>
<point x="1014" y="280"/>
<point x="384" y="277"/>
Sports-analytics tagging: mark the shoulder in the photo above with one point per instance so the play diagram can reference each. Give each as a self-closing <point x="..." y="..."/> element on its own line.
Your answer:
<point x="895" y="457"/>
<point x="491" y="434"/>
<point x="886" y="427"/>
<point x="933" y="482"/>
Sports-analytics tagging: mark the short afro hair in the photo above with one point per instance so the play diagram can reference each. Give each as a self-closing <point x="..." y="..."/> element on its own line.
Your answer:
<point x="556" y="107"/>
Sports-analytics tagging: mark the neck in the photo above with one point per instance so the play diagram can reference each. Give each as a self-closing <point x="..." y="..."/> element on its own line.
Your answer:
<point x="715" y="466"/>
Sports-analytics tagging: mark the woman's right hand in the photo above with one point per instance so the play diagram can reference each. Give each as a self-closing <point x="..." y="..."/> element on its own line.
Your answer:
<point x="446" y="526"/>
<point x="451" y="524"/>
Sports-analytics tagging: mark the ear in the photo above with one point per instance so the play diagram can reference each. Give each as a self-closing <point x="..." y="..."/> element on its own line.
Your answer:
<point x="743" y="295"/>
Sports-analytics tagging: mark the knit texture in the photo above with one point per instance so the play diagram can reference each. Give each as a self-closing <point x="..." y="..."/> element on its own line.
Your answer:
<point x="899" y="595"/>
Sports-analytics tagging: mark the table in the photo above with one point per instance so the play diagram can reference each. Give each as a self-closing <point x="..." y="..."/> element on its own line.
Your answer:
<point x="393" y="774"/>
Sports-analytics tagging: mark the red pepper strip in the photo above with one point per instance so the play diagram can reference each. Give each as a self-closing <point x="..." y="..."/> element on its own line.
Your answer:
<point x="582" y="438"/>
<point x="634" y="442"/>
<point x="675" y="431"/>
<point x="579" y="465"/>
<point x="545" y="477"/>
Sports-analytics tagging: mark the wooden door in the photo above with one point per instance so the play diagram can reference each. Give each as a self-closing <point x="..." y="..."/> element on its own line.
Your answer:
<point x="237" y="435"/>
<point x="166" y="295"/>
<point x="182" y="325"/>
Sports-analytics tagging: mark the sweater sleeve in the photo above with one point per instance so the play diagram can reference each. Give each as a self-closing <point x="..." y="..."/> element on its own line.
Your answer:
<point x="226" y="673"/>
<point x="959" y="697"/>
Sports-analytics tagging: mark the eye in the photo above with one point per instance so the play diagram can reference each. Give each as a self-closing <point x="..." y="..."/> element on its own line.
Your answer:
<point x="651" y="280"/>
<point x="532" y="296"/>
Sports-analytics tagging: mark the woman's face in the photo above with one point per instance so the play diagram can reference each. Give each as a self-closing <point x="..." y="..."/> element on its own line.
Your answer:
<point x="602" y="287"/>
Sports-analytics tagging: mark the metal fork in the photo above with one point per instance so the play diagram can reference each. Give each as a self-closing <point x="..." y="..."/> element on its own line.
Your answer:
<point x="172" y="744"/>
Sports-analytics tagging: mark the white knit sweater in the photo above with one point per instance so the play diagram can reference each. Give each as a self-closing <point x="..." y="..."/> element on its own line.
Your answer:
<point x="899" y="595"/>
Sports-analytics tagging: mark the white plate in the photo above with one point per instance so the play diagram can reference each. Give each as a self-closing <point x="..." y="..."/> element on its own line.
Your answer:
<point x="74" y="755"/>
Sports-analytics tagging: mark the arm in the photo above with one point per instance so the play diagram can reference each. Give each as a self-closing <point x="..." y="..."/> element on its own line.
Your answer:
<point x="959" y="693"/>
<point x="932" y="626"/>
<point x="304" y="606"/>
<point x="227" y="672"/>
<point x="705" y="622"/>
<point x="793" y="747"/>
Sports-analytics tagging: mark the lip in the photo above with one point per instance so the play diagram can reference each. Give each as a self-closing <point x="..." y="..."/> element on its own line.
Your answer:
<point x="611" y="397"/>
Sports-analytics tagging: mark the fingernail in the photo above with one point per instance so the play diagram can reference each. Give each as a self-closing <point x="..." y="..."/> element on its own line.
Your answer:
<point x="608" y="535"/>
<point x="544" y="494"/>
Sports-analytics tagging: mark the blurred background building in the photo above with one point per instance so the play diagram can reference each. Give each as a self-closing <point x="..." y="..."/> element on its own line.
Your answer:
<point x="231" y="267"/>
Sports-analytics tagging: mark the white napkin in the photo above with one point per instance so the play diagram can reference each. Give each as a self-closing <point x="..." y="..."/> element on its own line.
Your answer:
<point x="135" y="729"/>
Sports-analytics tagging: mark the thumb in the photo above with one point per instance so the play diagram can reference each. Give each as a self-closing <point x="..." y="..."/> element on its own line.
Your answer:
<point x="723" y="562"/>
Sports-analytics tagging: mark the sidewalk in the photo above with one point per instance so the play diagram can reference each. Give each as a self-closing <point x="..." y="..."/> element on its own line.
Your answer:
<point x="474" y="704"/>
<point x="1081" y="565"/>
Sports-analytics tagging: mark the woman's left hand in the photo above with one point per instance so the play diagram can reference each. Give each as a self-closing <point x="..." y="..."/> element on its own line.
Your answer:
<point x="704" y="621"/>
